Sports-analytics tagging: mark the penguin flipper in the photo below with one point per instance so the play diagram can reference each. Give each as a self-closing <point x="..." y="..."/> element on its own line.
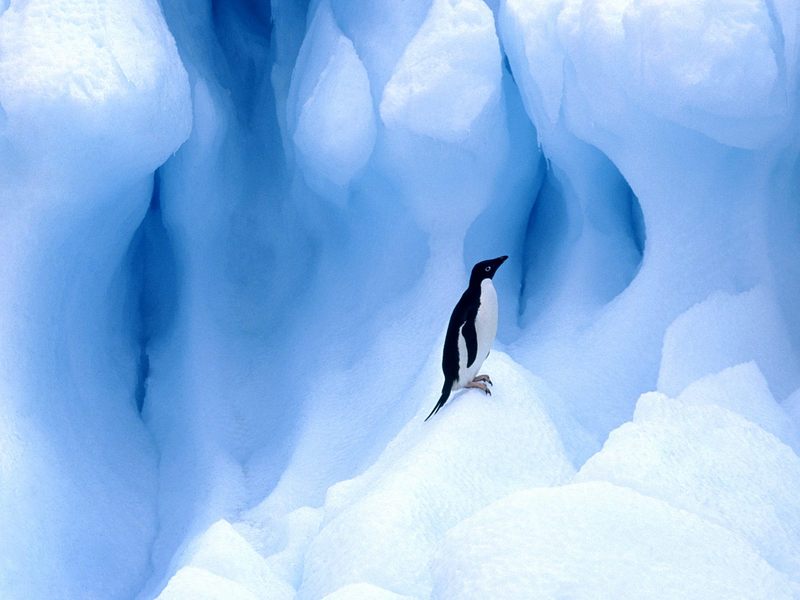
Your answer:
<point x="448" y="385"/>
<point x="471" y="340"/>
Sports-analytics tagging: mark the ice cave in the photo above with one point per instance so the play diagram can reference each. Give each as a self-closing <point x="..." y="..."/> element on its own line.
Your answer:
<point x="231" y="236"/>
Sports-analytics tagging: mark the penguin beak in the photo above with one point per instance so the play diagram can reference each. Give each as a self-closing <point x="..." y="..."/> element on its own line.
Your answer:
<point x="500" y="260"/>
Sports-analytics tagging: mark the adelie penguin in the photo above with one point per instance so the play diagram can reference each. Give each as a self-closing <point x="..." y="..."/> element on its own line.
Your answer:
<point x="470" y="333"/>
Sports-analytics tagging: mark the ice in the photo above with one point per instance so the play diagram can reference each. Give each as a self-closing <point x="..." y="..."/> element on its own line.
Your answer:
<point x="723" y="80"/>
<point x="94" y="98"/>
<point x="364" y="591"/>
<point x="726" y="68"/>
<point x="283" y="540"/>
<point x="383" y="527"/>
<point x="723" y="331"/>
<point x="743" y="390"/>
<point x="708" y="460"/>
<point x="531" y="35"/>
<point x="597" y="540"/>
<point x="335" y="129"/>
<point x="448" y="73"/>
<point x="792" y="406"/>
<point x="96" y="72"/>
<point x="381" y="31"/>
<point x="703" y="201"/>
<point x="228" y="561"/>
<point x="192" y="583"/>
<point x="233" y="234"/>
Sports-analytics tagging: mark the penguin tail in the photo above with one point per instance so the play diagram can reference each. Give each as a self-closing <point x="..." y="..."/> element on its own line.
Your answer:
<point x="448" y="385"/>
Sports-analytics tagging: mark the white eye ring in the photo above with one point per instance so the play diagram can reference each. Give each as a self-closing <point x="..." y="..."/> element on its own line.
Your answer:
<point x="487" y="269"/>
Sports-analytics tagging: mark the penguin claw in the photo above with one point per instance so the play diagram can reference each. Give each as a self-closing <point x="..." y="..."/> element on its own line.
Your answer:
<point x="483" y="378"/>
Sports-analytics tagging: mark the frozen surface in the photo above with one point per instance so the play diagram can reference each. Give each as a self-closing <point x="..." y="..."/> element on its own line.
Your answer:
<point x="195" y="583"/>
<point x="364" y="591"/>
<point x="94" y="97"/>
<point x="597" y="540"/>
<point x="447" y="74"/>
<point x="105" y="72"/>
<point x="792" y="406"/>
<point x="726" y="330"/>
<point x="742" y="389"/>
<point x="230" y="564"/>
<point x="383" y="526"/>
<point x="335" y="129"/>
<point x="723" y="80"/>
<point x="706" y="459"/>
<point x="233" y="233"/>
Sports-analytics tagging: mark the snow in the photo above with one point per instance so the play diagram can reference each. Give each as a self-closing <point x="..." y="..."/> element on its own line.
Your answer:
<point x="106" y="71"/>
<point x="744" y="390"/>
<point x="726" y="67"/>
<point x="383" y="527"/>
<point x="192" y="582"/>
<point x="283" y="542"/>
<point x="530" y="30"/>
<point x="792" y="406"/>
<point x="708" y="460"/>
<point x="335" y="130"/>
<point x="220" y="563"/>
<point x="94" y="97"/>
<point x="448" y="73"/>
<point x="364" y="591"/>
<point x="723" y="80"/>
<point x="597" y="540"/>
<point x="233" y="233"/>
<point x="725" y="330"/>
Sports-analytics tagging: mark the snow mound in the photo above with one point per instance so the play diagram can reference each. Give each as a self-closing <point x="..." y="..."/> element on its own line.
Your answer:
<point x="742" y="389"/>
<point x="283" y="540"/>
<point x="448" y="74"/>
<point x="336" y="128"/>
<point x="726" y="330"/>
<point x="383" y="527"/>
<point x="723" y="79"/>
<point x="597" y="540"/>
<point x="710" y="461"/>
<point x="724" y="65"/>
<point x="107" y="71"/>
<point x="192" y="583"/>
<point x="224" y="558"/>
<point x="364" y="591"/>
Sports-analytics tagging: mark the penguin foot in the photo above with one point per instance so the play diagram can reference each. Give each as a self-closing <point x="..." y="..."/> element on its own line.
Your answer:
<point x="480" y="386"/>
<point x="483" y="378"/>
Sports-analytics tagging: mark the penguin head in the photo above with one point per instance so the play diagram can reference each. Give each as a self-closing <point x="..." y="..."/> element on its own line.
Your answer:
<point x="485" y="269"/>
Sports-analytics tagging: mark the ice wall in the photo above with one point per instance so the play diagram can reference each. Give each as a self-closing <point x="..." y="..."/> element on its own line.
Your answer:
<point x="94" y="98"/>
<point x="642" y="202"/>
<point x="307" y="211"/>
<point x="694" y="104"/>
<point x="230" y="259"/>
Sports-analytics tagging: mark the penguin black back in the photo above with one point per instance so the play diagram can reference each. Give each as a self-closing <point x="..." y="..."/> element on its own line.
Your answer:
<point x="462" y="322"/>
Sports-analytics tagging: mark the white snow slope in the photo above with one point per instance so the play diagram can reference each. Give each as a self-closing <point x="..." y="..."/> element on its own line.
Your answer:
<point x="232" y="234"/>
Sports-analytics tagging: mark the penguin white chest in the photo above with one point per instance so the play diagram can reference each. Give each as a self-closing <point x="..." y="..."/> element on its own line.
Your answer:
<point x="486" y="330"/>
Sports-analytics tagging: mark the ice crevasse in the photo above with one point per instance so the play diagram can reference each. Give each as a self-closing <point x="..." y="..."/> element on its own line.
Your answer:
<point x="233" y="233"/>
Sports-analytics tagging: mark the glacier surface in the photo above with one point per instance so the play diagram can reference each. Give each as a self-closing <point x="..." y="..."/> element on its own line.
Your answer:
<point x="233" y="232"/>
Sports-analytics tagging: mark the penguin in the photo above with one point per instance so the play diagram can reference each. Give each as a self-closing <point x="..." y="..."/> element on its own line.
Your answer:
<point x="470" y="333"/>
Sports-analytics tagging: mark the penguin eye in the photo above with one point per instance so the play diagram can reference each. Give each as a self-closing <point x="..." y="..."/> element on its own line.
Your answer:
<point x="487" y="269"/>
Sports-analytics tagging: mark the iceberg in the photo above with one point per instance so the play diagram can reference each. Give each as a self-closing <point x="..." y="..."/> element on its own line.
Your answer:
<point x="233" y="233"/>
